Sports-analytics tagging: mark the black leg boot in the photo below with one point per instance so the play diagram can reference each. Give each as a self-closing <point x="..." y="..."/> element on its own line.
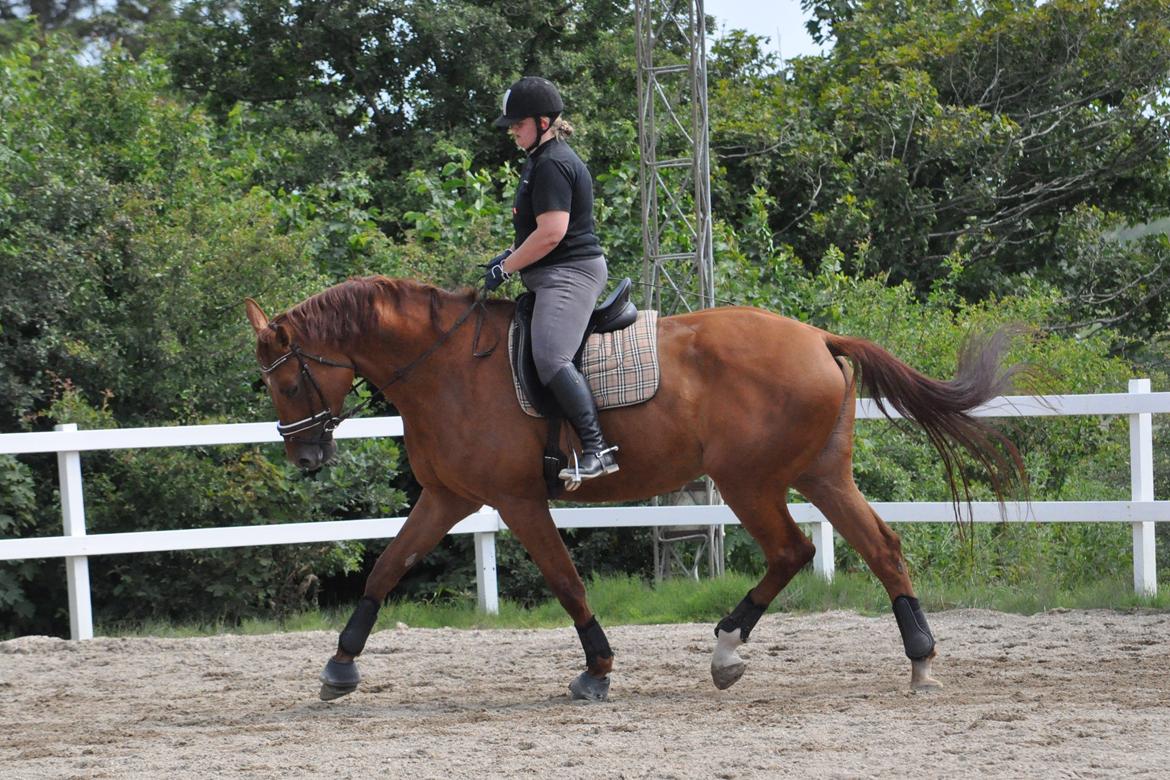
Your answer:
<point x="576" y="399"/>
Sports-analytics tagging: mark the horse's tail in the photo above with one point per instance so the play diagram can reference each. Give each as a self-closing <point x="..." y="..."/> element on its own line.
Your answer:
<point x="942" y="408"/>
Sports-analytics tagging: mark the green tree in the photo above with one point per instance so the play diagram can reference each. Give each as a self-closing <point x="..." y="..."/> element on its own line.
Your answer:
<point x="18" y="507"/>
<point x="1011" y="136"/>
<point x="129" y="23"/>
<point x="897" y="189"/>
<point x="392" y="79"/>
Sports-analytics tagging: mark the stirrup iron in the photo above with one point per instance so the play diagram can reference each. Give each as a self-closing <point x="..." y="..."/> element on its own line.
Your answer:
<point x="573" y="476"/>
<point x="573" y="481"/>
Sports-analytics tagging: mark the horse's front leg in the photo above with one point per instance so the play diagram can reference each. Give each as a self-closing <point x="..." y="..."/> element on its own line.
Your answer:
<point x="532" y="524"/>
<point x="434" y="514"/>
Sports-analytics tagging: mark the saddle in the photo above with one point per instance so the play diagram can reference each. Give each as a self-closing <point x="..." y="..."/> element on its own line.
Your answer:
<point x="615" y="313"/>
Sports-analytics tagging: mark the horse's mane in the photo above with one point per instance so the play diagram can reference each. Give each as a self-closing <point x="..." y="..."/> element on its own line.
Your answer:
<point x="345" y="310"/>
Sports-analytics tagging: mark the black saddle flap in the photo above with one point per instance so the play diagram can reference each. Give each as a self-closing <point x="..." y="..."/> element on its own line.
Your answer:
<point x="522" y="362"/>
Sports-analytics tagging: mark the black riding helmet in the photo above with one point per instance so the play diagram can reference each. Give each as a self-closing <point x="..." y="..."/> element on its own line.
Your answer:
<point x="533" y="97"/>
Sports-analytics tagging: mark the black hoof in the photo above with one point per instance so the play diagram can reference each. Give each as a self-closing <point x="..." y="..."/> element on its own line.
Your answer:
<point x="588" y="688"/>
<point x="338" y="679"/>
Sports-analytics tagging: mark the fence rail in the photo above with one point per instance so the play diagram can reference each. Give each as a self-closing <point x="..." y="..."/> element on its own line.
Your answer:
<point x="76" y="546"/>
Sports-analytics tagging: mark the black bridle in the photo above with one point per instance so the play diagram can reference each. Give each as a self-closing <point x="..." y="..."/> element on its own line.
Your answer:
<point x="325" y="419"/>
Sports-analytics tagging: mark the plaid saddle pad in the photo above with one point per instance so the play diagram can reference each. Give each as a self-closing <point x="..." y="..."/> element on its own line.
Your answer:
<point x="621" y="367"/>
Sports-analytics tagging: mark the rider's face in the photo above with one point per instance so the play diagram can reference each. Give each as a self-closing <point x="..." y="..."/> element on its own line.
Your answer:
<point x="524" y="132"/>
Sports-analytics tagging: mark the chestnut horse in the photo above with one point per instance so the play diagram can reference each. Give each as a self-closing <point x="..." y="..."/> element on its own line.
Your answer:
<point x="756" y="401"/>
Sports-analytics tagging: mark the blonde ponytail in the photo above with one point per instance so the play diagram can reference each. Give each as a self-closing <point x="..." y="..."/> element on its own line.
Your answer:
<point x="562" y="129"/>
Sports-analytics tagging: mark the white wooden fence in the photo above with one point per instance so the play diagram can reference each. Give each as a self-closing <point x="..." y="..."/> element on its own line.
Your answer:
<point x="75" y="546"/>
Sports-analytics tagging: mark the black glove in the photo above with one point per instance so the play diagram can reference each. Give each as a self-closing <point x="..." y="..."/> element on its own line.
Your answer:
<point x="494" y="274"/>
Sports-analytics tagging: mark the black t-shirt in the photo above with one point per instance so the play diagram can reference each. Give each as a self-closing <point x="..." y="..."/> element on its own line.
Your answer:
<point x="555" y="179"/>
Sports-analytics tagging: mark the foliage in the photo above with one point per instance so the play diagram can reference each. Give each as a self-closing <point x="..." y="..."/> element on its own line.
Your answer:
<point x="118" y="211"/>
<point x="391" y="79"/>
<point x="129" y="22"/>
<point x="460" y="220"/>
<point x="17" y="517"/>
<point x="168" y="489"/>
<point x="1018" y="136"/>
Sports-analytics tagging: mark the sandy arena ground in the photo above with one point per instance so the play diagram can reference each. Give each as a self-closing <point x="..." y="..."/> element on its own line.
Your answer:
<point x="1061" y="694"/>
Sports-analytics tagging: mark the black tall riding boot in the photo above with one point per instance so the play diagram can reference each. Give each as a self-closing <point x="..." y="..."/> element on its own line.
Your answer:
<point x="576" y="399"/>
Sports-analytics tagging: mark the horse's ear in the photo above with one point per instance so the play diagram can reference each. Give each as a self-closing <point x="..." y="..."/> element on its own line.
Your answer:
<point x="256" y="315"/>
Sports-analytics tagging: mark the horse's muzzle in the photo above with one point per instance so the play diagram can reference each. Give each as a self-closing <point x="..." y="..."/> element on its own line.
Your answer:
<point x="311" y="456"/>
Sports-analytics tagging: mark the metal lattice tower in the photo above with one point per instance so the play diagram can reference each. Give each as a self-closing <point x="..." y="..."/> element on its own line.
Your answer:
<point x="677" y="259"/>
<point x="675" y="174"/>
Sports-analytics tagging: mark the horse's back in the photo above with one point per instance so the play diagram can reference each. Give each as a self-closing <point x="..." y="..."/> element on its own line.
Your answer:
<point x="754" y="359"/>
<point x="744" y="337"/>
<point x="739" y="316"/>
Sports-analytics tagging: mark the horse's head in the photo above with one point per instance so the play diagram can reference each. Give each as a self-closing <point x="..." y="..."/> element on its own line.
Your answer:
<point x="308" y="384"/>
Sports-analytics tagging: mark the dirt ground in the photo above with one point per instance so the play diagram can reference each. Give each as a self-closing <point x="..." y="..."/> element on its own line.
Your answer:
<point x="1060" y="694"/>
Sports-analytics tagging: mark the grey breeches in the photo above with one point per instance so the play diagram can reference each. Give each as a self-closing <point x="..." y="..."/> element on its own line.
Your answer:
<point x="565" y="296"/>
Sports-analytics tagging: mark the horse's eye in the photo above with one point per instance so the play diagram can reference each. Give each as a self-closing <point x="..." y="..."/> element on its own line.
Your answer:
<point x="289" y="392"/>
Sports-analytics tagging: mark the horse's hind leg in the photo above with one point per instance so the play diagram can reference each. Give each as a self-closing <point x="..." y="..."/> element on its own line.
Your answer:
<point x="828" y="484"/>
<point x="881" y="548"/>
<point x="763" y="513"/>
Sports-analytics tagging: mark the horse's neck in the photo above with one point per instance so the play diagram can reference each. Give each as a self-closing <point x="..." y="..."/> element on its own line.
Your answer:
<point x="432" y="359"/>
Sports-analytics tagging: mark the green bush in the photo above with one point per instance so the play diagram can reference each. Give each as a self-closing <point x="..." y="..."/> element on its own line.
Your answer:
<point x="18" y="507"/>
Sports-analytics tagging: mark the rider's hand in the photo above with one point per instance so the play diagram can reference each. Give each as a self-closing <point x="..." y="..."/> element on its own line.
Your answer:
<point x="494" y="274"/>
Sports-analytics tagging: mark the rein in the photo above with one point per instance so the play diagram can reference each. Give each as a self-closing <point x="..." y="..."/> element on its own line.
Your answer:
<point x="328" y="421"/>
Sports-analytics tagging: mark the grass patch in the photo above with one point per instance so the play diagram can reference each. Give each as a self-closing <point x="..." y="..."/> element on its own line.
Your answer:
<point x="1040" y="594"/>
<point x="628" y="600"/>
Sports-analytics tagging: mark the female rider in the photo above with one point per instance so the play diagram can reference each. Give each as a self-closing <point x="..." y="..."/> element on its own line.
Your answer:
<point x="558" y="257"/>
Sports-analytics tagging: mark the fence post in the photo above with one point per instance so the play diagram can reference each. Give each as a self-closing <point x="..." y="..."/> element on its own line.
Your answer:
<point x="824" y="563"/>
<point x="486" y="585"/>
<point x="1141" y="465"/>
<point x="73" y="520"/>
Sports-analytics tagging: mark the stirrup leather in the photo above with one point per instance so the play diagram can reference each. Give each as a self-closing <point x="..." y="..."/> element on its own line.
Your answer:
<point x="573" y="476"/>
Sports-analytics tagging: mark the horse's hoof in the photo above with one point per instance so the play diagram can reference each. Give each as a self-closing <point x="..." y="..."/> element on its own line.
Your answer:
<point x="339" y="679"/>
<point x="726" y="676"/>
<point x="588" y="688"/>
<point x="726" y="665"/>
<point x="920" y="679"/>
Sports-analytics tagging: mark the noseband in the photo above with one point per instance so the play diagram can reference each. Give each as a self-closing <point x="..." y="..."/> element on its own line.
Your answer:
<point x="325" y="419"/>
